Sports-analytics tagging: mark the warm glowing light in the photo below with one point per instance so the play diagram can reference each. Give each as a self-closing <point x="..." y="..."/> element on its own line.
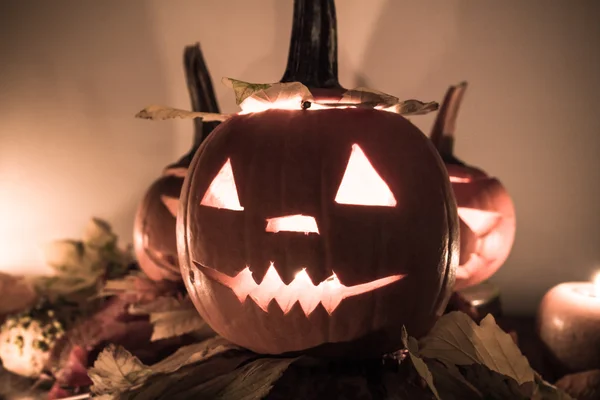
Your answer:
<point x="456" y="179"/>
<point x="171" y="203"/>
<point x="255" y="105"/>
<point x="596" y="282"/>
<point x="480" y="222"/>
<point x="292" y="223"/>
<point x="329" y="293"/>
<point x="362" y="185"/>
<point x="222" y="192"/>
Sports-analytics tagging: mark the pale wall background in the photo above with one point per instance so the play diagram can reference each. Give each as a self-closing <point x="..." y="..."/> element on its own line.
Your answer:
<point x="73" y="73"/>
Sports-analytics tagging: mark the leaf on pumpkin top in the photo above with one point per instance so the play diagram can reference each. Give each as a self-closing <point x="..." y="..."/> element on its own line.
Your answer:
<point x="411" y="344"/>
<point x="160" y="113"/>
<point x="243" y="89"/>
<point x="256" y="97"/>
<point x="115" y="370"/>
<point x="370" y="97"/>
<point x="416" y="107"/>
<point x="456" y="339"/>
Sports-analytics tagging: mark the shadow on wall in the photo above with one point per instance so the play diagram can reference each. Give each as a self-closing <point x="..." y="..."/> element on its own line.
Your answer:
<point x="70" y="147"/>
<point x="528" y="117"/>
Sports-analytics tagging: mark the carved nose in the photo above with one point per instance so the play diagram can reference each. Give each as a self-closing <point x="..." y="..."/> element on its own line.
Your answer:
<point x="292" y="223"/>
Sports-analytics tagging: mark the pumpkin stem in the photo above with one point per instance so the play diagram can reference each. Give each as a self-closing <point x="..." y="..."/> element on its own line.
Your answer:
<point x="442" y="134"/>
<point x="202" y="94"/>
<point x="312" y="58"/>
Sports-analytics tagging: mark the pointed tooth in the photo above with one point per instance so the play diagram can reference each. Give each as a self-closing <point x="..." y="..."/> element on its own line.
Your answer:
<point x="309" y="297"/>
<point x="268" y="288"/>
<point x="332" y="297"/>
<point x="243" y="284"/>
<point x="286" y="297"/>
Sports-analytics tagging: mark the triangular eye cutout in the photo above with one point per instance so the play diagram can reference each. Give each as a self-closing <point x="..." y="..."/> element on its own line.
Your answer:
<point x="222" y="192"/>
<point x="172" y="204"/>
<point x="362" y="185"/>
<point x="479" y="221"/>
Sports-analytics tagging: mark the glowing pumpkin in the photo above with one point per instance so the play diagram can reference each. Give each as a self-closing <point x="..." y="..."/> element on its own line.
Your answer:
<point x="154" y="228"/>
<point x="323" y="229"/>
<point x="486" y="211"/>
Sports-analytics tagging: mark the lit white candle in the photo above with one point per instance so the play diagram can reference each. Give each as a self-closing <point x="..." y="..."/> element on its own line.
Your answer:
<point x="569" y="324"/>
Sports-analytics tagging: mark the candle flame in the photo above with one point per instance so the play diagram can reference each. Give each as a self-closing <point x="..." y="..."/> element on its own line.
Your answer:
<point x="596" y="283"/>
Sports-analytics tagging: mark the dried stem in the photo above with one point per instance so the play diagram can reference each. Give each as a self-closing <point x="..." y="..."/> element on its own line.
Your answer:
<point x="201" y="91"/>
<point x="312" y="58"/>
<point x="442" y="134"/>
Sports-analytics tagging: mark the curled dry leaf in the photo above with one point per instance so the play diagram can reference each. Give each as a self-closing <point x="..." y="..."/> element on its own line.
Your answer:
<point x="411" y="344"/>
<point x="116" y="370"/>
<point x="160" y="113"/>
<point x="171" y="317"/>
<point x="256" y="97"/>
<point x="242" y="89"/>
<point x="457" y="340"/>
<point x="194" y="353"/>
<point x="290" y="95"/>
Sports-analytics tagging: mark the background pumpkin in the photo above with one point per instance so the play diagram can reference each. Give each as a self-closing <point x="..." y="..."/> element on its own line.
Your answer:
<point x="154" y="227"/>
<point x="486" y="211"/>
<point x="281" y="251"/>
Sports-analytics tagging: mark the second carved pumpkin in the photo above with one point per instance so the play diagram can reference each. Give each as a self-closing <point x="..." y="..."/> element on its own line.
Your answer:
<point x="154" y="227"/>
<point x="485" y="209"/>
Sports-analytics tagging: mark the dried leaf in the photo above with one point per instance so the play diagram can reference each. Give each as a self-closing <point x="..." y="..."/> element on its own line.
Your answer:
<point x="137" y="288"/>
<point x="370" y="97"/>
<point x="64" y="255"/>
<point x="494" y="385"/>
<point x="416" y="107"/>
<point x="160" y="113"/>
<point x="115" y="370"/>
<point x="450" y="383"/>
<point x="457" y="340"/>
<point x="412" y="345"/>
<point x="243" y="89"/>
<point x="99" y="234"/>
<point x="171" y="317"/>
<point x="289" y="95"/>
<point x="252" y="381"/>
<point x="79" y="265"/>
<point x="194" y="353"/>
<point x="175" y="323"/>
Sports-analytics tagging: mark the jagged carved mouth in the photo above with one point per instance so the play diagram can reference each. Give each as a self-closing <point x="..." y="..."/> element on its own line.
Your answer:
<point x="329" y="293"/>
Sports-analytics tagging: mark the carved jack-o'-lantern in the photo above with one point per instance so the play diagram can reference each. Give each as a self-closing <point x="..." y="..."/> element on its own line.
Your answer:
<point x="321" y="229"/>
<point x="154" y="228"/>
<point x="486" y="211"/>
